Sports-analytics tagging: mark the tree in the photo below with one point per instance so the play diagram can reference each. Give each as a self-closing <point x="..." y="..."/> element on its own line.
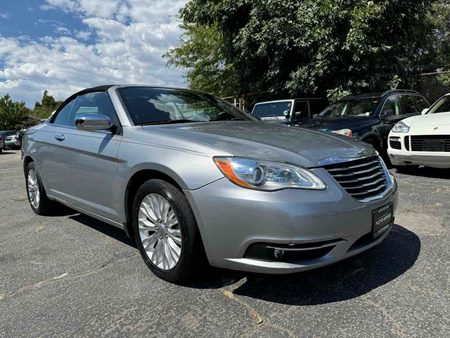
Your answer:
<point x="202" y="53"/>
<point x="12" y="113"/>
<point x="294" y="47"/>
<point x="439" y="17"/>
<point x="47" y="105"/>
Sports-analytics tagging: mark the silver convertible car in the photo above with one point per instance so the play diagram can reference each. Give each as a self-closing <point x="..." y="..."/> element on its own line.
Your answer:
<point x="193" y="180"/>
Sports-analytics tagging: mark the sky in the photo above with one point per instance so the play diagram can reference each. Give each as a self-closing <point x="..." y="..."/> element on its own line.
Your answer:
<point x="67" y="45"/>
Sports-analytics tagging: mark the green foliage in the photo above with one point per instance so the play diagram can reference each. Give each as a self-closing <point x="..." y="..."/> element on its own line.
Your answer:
<point x="292" y="47"/>
<point x="394" y="82"/>
<point x="47" y="105"/>
<point x="202" y="53"/>
<point x="12" y="113"/>
<point x="444" y="78"/>
<point x="337" y="93"/>
<point x="439" y="17"/>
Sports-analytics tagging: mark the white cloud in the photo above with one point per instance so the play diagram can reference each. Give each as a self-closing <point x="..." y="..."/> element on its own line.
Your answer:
<point x="83" y="35"/>
<point x="129" y="38"/>
<point x="5" y="16"/>
<point x="63" y="30"/>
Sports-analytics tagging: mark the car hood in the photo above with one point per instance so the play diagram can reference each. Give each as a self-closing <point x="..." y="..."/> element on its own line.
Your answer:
<point x="268" y="142"/>
<point x="438" y="123"/>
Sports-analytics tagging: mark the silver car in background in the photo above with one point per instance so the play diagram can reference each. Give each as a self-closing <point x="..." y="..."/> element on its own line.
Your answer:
<point x="194" y="180"/>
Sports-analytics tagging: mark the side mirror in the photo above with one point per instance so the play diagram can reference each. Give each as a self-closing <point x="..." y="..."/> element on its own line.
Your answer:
<point x="93" y="122"/>
<point x="424" y="111"/>
<point x="387" y="113"/>
<point x="286" y="114"/>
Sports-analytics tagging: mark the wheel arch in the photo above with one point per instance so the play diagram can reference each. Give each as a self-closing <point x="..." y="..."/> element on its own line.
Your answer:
<point x="26" y="160"/>
<point x="371" y="138"/>
<point x="135" y="181"/>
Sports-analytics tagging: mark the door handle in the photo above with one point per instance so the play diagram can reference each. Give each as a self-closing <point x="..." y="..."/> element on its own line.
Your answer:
<point x="60" y="137"/>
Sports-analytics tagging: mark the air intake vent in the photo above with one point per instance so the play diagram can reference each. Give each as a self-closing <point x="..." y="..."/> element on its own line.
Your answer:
<point x="364" y="179"/>
<point x="407" y="142"/>
<point x="438" y="143"/>
<point x="394" y="143"/>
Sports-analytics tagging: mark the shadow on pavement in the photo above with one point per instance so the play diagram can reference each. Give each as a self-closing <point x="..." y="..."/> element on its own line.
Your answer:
<point x="104" y="228"/>
<point x="61" y="210"/>
<point x="427" y="172"/>
<point x="345" y="280"/>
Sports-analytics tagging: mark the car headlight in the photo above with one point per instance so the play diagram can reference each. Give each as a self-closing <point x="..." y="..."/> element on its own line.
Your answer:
<point x="400" y="127"/>
<point x="268" y="176"/>
<point x="345" y="132"/>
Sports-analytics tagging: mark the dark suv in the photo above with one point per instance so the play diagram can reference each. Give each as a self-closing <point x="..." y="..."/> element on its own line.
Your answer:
<point x="369" y="117"/>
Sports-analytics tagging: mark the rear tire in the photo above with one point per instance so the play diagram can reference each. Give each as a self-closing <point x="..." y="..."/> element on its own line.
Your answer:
<point x="37" y="196"/>
<point x="166" y="232"/>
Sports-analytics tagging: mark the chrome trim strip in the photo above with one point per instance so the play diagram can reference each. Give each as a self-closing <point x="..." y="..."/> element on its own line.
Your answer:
<point x="306" y="249"/>
<point x="378" y="167"/>
<point x="356" y="166"/>
<point x="356" y="180"/>
<point x="366" y="185"/>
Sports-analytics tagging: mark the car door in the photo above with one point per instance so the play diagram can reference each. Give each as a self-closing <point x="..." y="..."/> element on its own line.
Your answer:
<point x="408" y="106"/>
<point x="83" y="165"/>
<point x="301" y="111"/>
<point x="390" y="114"/>
<point x="421" y="103"/>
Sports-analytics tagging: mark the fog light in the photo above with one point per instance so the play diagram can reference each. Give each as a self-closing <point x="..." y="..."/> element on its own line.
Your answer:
<point x="278" y="253"/>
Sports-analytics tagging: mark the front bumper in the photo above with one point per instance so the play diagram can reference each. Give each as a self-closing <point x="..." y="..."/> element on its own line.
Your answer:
<point x="429" y="159"/>
<point x="11" y="143"/>
<point x="232" y="220"/>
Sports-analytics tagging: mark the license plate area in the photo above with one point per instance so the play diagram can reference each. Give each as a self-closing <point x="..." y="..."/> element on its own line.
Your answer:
<point x="381" y="218"/>
<point x="433" y="145"/>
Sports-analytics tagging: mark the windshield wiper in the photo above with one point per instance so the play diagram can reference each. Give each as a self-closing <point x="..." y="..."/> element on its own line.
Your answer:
<point x="232" y="119"/>
<point x="169" y="122"/>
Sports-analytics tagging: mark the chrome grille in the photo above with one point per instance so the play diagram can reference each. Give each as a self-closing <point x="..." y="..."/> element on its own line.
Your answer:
<point x="440" y="143"/>
<point x="364" y="179"/>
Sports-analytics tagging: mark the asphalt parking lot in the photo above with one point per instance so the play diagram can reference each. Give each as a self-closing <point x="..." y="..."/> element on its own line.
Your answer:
<point x="70" y="275"/>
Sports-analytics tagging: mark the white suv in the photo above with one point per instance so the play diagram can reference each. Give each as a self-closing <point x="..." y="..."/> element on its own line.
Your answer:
<point x="423" y="139"/>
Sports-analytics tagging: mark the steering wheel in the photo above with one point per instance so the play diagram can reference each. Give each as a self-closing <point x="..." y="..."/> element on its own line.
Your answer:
<point x="224" y="116"/>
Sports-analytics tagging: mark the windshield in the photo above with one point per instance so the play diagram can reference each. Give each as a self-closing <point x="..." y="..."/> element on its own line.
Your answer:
<point x="147" y="105"/>
<point x="272" y="109"/>
<point x="442" y="106"/>
<point x="352" y="108"/>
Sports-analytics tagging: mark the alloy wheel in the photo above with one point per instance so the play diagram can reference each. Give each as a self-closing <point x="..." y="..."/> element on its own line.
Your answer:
<point x="33" y="188"/>
<point x="159" y="231"/>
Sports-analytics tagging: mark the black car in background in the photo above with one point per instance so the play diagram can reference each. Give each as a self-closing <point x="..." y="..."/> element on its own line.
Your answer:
<point x="369" y="117"/>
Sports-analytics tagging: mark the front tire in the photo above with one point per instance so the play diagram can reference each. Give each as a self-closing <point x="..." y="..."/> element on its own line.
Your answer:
<point x="166" y="233"/>
<point x="37" y="197"/>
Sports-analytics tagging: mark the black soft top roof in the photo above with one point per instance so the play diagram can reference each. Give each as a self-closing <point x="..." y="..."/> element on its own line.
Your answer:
<point x="93" y="89"/>
<point x="103" y="88"/>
